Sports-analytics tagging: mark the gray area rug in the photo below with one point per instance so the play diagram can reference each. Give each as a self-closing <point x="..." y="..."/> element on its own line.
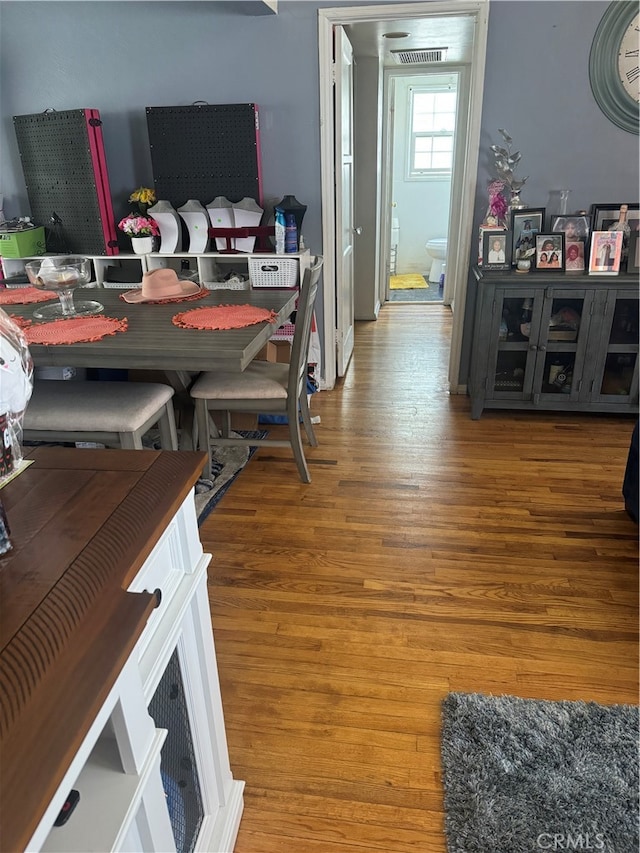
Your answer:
<point x="523" y="775"/>
<point x="226" y="464"/>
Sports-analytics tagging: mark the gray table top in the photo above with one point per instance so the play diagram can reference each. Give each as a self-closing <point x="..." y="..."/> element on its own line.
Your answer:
<point x="153" y="342"/>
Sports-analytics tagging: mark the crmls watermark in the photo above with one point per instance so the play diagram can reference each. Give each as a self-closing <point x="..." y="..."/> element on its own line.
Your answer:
<point x="570" y="841"/>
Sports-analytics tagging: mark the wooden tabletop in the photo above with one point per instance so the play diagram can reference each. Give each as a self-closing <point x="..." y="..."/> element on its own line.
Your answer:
<point x="82" y="524"/>
<point x="153" y="342"/>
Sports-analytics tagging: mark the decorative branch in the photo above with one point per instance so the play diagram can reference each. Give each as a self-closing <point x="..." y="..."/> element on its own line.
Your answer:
<point x="506" y="161"/>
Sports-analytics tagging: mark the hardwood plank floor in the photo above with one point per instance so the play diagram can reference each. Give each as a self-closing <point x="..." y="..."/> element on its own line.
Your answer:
<point x="431" y="553"/>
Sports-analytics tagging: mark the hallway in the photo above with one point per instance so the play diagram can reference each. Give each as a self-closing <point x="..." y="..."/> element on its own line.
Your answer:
<point x="431" y="553"/>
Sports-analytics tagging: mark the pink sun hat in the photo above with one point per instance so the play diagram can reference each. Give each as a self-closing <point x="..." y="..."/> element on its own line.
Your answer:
<point x="162" y="284"/>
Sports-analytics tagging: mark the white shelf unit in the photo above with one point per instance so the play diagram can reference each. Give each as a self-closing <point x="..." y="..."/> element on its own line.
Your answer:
<point x="123" y="804"/>
<point x="211" y="267"/>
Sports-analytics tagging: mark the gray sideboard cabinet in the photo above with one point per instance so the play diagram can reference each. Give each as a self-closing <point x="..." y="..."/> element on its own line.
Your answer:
<point x="555" y="341"/>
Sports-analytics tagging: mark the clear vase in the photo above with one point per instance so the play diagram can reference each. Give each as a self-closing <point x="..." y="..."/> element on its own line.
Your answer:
<point x="564" y="202"/>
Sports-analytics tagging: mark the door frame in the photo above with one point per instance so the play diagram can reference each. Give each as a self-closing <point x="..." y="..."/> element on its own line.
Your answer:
<point x="327" y="19"/>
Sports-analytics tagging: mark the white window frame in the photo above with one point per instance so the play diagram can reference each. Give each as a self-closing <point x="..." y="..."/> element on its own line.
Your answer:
<point x="414" y="174"/>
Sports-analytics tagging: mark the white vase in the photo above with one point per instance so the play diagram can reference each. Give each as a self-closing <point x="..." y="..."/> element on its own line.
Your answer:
<point x="142" y="245"/>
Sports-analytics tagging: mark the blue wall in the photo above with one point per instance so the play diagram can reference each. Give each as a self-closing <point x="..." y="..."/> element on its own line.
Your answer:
<point x="120" y="57"/>
<point x="537" y="87"/>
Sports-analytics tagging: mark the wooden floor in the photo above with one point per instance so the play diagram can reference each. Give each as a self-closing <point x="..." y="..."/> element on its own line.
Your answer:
<point x="431" y="553"/>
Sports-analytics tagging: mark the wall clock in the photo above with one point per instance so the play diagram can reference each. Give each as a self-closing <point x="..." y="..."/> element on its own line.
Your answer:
<point x="614" y="68"/>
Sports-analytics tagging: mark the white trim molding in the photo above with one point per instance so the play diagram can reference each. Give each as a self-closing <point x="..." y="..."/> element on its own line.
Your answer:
<point x="460" y="235"/>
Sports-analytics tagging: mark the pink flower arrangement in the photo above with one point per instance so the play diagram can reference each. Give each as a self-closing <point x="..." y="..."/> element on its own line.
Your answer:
<point x="139" y="226"/>
<point x="497" y="202"/>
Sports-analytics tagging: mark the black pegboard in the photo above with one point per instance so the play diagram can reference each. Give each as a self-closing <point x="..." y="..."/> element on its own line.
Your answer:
<point x="202" y="151"/>
<point x="65" y="175"/>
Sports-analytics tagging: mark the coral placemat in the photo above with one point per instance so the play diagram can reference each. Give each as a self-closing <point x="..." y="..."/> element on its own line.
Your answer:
<point x="25" y="295"/>
<point x="74" y="330"/>
<point x="21" y="322"/>
<point x="223" y="317"/>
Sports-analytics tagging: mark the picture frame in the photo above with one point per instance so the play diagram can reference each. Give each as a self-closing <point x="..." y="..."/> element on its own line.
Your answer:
<point x="603" y="216"/>
<point x="606" y="252"/>
<point x="633" y="258"/>
<point x="550" y="252"/>
<point x="496" y="252"/>
<point x="574" y="255"/>
<point x="573" y="227"/>
<point x="486" y="229"/>
<point x="525" y="224"/>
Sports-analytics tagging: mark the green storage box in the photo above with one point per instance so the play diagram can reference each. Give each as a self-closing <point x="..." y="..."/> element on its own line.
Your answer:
<point x="22" y="244"/>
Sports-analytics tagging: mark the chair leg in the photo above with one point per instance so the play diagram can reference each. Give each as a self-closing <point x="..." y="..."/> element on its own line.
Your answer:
<point x="295" y="439"/>
<point x="202" y="419"/>
<point x="130" y="441"/>
<point x="167" y="427"/>
<point x="306" y="420"/>
<point x="226" y="424"/>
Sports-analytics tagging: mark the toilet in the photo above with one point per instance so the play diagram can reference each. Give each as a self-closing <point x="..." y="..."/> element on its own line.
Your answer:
<point x="436" y="249"/>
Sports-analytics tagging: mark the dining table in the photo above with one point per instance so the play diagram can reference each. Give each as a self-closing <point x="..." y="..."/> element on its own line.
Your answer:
<point x="153" y="342"/>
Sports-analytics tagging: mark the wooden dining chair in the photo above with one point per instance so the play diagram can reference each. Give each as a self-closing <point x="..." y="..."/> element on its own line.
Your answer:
<point x="264" y="388"/>
<point x="116" y="414"/>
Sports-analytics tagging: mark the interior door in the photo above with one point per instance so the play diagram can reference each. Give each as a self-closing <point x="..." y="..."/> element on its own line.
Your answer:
<point x="343" y="106"/>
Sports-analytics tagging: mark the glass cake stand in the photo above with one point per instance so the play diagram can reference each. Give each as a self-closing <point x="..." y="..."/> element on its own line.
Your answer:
<point x="62" y="274"/>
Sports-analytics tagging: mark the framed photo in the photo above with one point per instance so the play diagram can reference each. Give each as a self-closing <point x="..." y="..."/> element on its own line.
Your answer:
<point x="550" y="252"/>
<point x="603" y="216"/>
<point x="573" y="227"/>
<point x="525" y="224"/>
<point x="492" y="229"/>
<point x="633" y="258"/>
<point x="495" y="250"/>
<point x="606" y="252"/>
<point x="574" y="255"/>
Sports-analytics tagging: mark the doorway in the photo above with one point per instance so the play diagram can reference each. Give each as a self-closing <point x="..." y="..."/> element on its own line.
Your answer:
<point x="421" y="109"/>
<point x="371" y="289"/>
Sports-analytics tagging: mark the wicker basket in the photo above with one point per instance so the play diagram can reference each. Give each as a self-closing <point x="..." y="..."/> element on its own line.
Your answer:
<point x="279" y="272"/>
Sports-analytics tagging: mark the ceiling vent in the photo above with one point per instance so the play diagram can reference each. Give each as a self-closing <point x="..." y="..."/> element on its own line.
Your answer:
<point x="420" y="56"/>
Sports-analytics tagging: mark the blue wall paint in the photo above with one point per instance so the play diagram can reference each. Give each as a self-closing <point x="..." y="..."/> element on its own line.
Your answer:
<point x="120" y="57"/>
<point x="537" y="87"/>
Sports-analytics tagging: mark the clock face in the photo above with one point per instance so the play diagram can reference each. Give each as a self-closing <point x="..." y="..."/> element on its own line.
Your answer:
<point x="628" y="63"/>
<point x="614" y="68"/>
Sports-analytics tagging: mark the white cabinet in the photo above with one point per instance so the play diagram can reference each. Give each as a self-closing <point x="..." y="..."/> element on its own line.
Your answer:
<point x="167" y="689"/>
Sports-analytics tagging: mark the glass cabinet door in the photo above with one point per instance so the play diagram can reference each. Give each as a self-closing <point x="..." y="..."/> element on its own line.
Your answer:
<point x="516" y="324"/>
<point x="616" y="372"/>
<point x="539" y="343"/>
<point x="562" y="343"/>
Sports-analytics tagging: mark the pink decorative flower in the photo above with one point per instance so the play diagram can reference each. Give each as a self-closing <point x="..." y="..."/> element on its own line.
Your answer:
<point x="498" y="205"/>
<point x="139" y="226"/>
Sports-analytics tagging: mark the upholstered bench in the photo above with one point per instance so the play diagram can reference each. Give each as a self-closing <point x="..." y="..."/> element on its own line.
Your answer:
<point x="116" y="414"/>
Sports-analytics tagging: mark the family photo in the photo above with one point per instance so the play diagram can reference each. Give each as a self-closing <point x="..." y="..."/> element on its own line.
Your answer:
<point x="549" y="251"/>
<point x="525" y="225"/>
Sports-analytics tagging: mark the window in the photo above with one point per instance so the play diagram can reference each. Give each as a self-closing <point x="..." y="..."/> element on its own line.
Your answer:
<point x="432" y="130"/>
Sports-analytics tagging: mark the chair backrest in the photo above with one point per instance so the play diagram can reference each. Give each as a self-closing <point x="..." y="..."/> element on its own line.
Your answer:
<point x="302" y="334"/>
